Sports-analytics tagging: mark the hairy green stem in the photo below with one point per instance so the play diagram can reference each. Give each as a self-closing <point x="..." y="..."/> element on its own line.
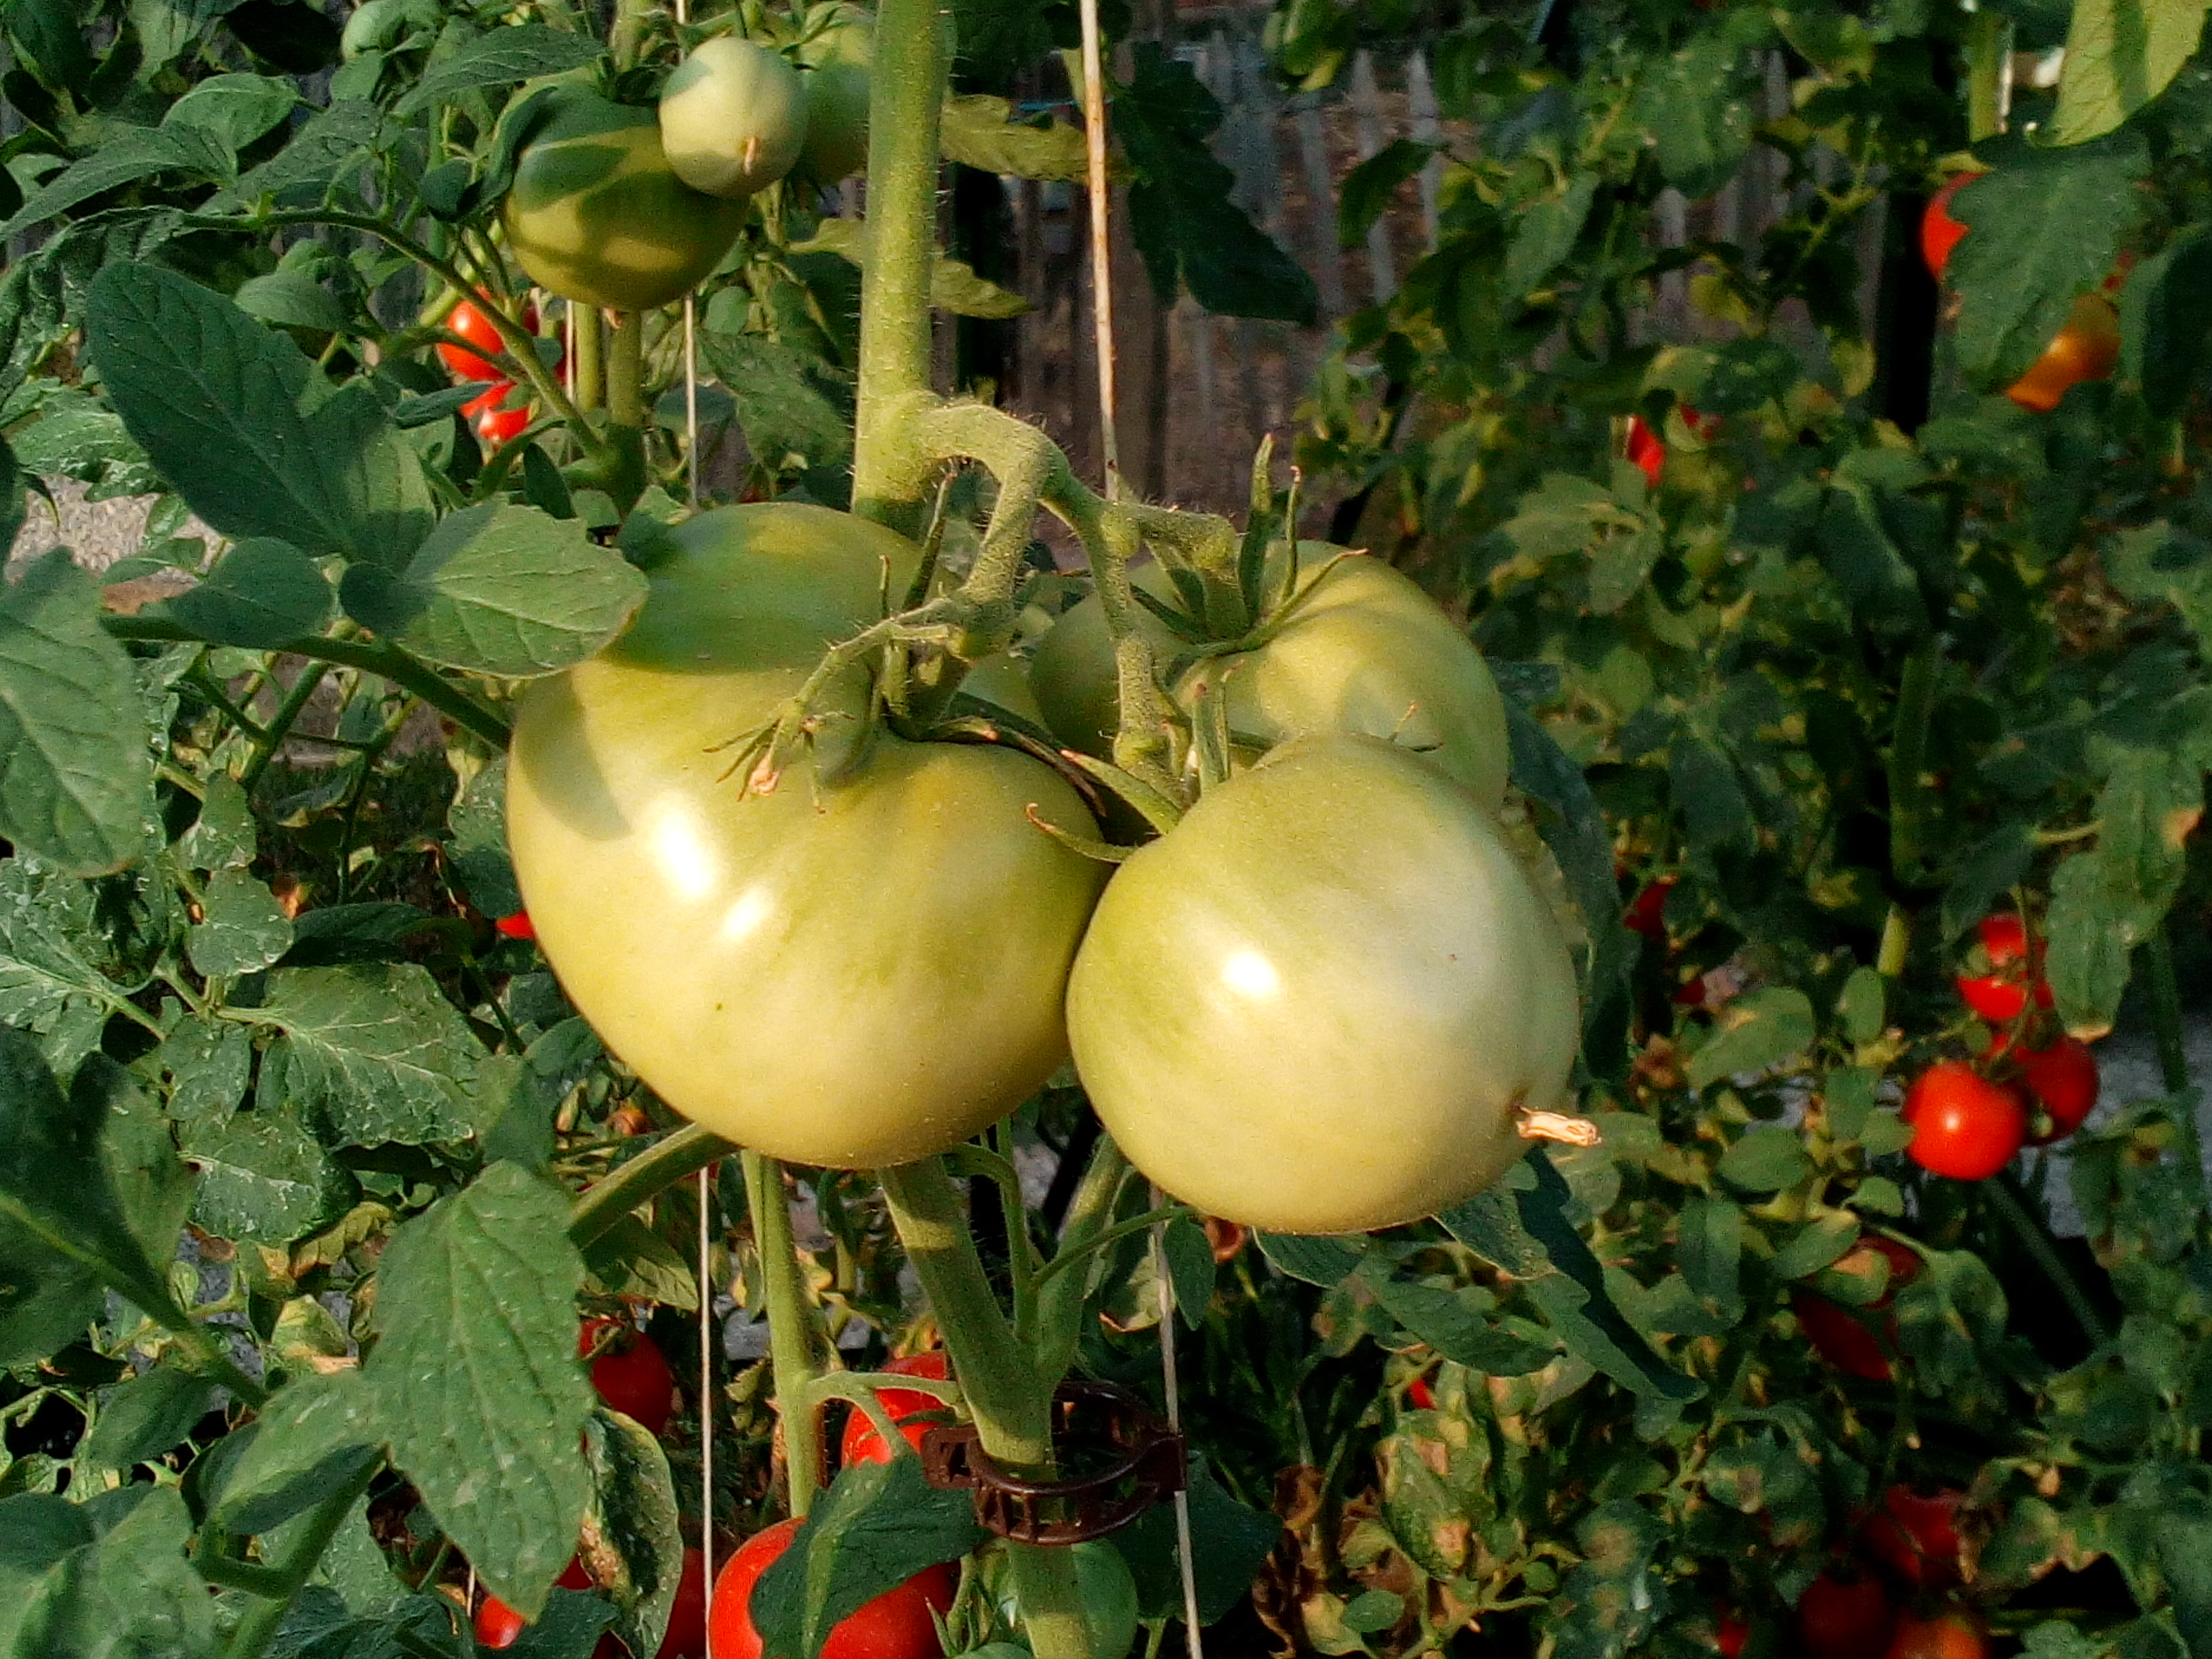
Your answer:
<point x="912" y="59"/>
<point x="794" y="1355"/>
<point x="1989" y="42"/>
<point x="259" y="1624"/>
<point x="590" y="365"/>
<point x="684" y="1153"/>
<point x="1008" y="1397"/>
<point x="407" y="672"/>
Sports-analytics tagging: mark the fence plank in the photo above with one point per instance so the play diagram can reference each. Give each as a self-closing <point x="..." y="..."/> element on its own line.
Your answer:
<point x="1367" y="122"/>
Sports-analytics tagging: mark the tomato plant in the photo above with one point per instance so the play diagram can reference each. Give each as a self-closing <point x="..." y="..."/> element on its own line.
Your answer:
<point x="897" y="1625"/>
<point x="1964" y="1126"/>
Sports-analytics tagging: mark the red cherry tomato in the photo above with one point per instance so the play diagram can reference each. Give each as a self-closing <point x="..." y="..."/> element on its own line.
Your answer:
<point x="468" y="321"/>
<point x="1647" y="911"/>
<point x="862" y="1444"/>
<point x="687" y="1620"/>
<point x="897" y="1625"/>
<point x="2062" y="1081"/>
<point x="2001" y="995"/>
<point x="1731" y="1635"/>
<point x="1420" y="1395"/>
<point x="1915" y="1537"/>
<point x="1950" y="1635"/>
<point x="516" y="926"/>
<point x="498" y="1626"/>
<point x="632" y="1378"/>
<point x="1645" y="452"/>
<point x="1842" y="1336"/>
<point x="494" y="425"/>
<point x="1964" y="1127"/>
<point x="1842" y="1619"/>
<point x="1939" y="231"/>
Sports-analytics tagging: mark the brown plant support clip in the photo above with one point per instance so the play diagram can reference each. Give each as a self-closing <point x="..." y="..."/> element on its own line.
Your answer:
<point x="1090" y="1421"/>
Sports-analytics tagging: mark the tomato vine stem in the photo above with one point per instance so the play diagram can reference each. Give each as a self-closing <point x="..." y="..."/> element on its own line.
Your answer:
<point x="688" y="1149"/>
<point x="794" y="1354"/>
<point x="259" y="1623"/>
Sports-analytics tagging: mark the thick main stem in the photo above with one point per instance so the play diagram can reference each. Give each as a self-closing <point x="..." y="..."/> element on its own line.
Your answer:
<point x="1010" y="1399"/>
<point x="911" y="61"/>
<point x="791" y="1352"/>
<point x="258" y="1626"/>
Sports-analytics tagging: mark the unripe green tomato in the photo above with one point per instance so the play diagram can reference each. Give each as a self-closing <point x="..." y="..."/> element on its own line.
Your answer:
<point x="855" y="973"/>
<point x="1073" y="675"/>
<point x="372" y="25"/>
<point x="1317" y="1004"/>
<point x="597" y="215"/>
<point x="837" y="62"/>
<point x="1108" y="1595"/>
<point x="1363" y="649"/>
<point x="732" y="117"/>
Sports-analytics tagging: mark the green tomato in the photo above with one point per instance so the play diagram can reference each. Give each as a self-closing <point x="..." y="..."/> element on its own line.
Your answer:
<point x="1110" y="1599"/>
<point x="856" y="973"/>
<point x="1317" y="1004"/>
<point x="597" y="215"/>
<point x="732" y="117"/>
<point x="1361" y="648"/>
<point x="837" y="62"/>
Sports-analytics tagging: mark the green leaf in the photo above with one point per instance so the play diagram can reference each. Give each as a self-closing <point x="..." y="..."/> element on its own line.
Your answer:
<point x="52" y="954"/>
<point x="1190" y="1269"/>
<point x="317" y="155"/>
<point x="2120" y="54"/>
<point x="37" y="1531"/>
<point x="2107" y="900"/>
<point x="500" y="589"/>
<point x="291" y="298"/>
<point x="143" y="1417"/>
<point x="313" y="1439"/>
<point x="1755" y="1033"/>
<point x="2163" y="332"/>
<point x="1765" y="1160"/>
<point x="263" y="1179"/>
<point x="481" y="1398"/>
<point x="787" y="418"/>
<point x="133" y="154"/>
<point x="1709" y="1251"/>
<point x="638" y="1559"/>
<point x="244" y="929"/>
<point x="1229" y="1543"/>
<point x="1323" y="1262"/>
<point x="237" y="109"/>
<point x="628" y="1260"/>
<point x="1450" y="1323"/>
<point x="371" y="1052"/>
<point x="1545" y="233"/>
<point x="1575" y="1302"/>
<point x="2045" y="226"/>
<point x="222" y="836"/>
<point x="249" y="432"/>
<point x="209" y="1062"/>
<point x="877" y="1526"/>
<point x="953" y="284"/>
<point x="1829" y="1238"/>
<point x="981" y="132"/>
<point x="55" y="1189"/>
<point x="1490" y="1224"/>
<point x="15" y="494"/>
<point x="1180" y="216"/>
<point x="129" y="1592"/>
<point x="1700" y="103"/>
<point x="76" y="780"/>
<point x="1860" y="1007"/>
<point x="1367" y="190"/>
<point x="501" y="58"/>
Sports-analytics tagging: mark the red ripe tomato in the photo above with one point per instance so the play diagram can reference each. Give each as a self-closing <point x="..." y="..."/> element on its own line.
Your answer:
<point x="1647" y="911"/>
<point x="1420" y="1395"/>
<point x="687" y="1620"/>
<point x="1645" y="451"/>
<point x="1842" y="1335"/>
<point x="1950" y="1635"/>
<point x="631" y="1376"/>
<point x="2001" y="995"/>
<point x="494" y="425"/>
<point x="897" y="1625"/>
<point x="1915" y="1538"/>
<point x="1731" y="1635"/>
<point x="516" y="926"/>
<point x="2062" y="1081"/>
<point x="1964" y="1127"/>
<point x="862" y="1444"/>
<point x="468" y="321"/>
<point x="1939" y="231"/>
<point x="498" y="1626"/>
<point x="1842" y="1619"/>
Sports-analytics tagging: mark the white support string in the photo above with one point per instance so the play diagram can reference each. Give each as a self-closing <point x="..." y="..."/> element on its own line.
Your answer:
<point x="690" y="391"/>
<point x="1101" y="252"/>
<point x="1193" y="1641"/>
<point x="706" y="1382"/>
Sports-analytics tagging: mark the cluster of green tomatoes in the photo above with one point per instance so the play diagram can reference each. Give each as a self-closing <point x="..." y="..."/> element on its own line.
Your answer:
<point x="1330" y="997"/>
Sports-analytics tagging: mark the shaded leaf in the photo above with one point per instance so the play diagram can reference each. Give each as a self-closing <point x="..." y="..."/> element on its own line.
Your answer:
<point x="370" y="1053"/>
